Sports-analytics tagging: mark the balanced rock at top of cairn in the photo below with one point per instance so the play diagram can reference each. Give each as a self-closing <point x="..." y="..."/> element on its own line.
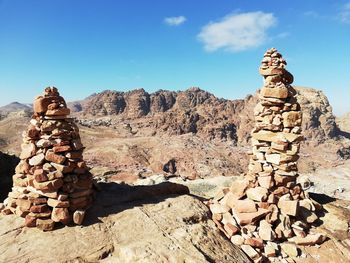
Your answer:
<point x="268" y="206"/>
<point x="52" y="182"/>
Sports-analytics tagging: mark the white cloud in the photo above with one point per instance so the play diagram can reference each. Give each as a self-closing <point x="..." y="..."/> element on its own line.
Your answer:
<point x="175" y="20"/>
<point x="237" y="32"/>
<point x="344" y="14"/>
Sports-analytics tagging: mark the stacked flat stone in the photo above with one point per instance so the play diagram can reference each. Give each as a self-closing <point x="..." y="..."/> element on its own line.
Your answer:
<point x="52" y="183"/>
<point x="268" y="206"/>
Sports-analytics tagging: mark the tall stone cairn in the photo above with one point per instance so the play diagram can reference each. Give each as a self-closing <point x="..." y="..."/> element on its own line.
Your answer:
<point x="268" y="206"/>
<point x="52" y="183"/>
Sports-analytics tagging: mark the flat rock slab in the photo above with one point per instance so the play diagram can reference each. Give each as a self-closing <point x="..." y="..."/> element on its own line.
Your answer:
<point x="159" y="223"/>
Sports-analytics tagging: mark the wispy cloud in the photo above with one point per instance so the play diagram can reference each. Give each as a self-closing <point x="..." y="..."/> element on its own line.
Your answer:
<point x="237" y="32"/>
<point x="175" y="20"/>
<point x="344" y="14"/>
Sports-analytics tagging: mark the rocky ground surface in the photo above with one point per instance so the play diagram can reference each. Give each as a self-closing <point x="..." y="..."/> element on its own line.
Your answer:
<point x="158" y="223"/>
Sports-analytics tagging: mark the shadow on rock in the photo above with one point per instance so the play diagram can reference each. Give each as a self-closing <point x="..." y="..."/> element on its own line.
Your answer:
<point x="114" y="198"/>
<point x="8" y="164"/>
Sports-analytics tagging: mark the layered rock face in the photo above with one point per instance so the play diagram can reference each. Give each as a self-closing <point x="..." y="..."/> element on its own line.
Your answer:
<point x="52" y="183"/>
<point x="268" y="206"/>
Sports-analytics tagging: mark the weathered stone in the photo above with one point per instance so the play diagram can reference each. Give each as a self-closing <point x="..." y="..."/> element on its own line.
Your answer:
<point x="37" y="159"/>
<point x="265" y="181"/>
<point x="57" y="203"/>
<point x="45" y="224"/>
<point x="61" y="215"/>
<point x="279" y="93"/>
<point x="60" y="149"/>
<point x="245" y="206"/>
<point x="231" y="229"/>
<point x="291" y="118"/>
<point x="55" y="158"/>
<point x="28" y="150"/>
<point x="254" y="242"/>
<point x="251" y="252"/>
<point x="58" y="112"/>
<point x="247" y="218"/>
<point x="309" y="240"/>
<point x="265" y="231"/>
<point x="239" y="187"/>
<point x="237" y="240"/>
<point x="78" y="217"/>
<point x="290" y="249"/>
<point x="30" y="221"/>
<point x="257" y="193"/>
<point x="288" y="207"/>
<point x="218" y="208"/>
<point x="49" y="186"/>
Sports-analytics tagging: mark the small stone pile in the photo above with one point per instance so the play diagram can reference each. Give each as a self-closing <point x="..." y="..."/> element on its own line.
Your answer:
<point x="52" y="182"/>
<point x="268" y="206"/>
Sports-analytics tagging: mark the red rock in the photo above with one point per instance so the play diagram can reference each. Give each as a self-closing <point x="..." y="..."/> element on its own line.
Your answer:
<point x="231" y="229"/>
<point x="39" y="208"/>
<point x="41" y="103"/>
<point x="30" y="221"/>
<point x="63" y="148"/>
<point x="254" y="242"/>
<point x="40" y="175"/>
<point x="58" y="112"/>
<point x="247" y="218"/>
<point x="56" y="158"/>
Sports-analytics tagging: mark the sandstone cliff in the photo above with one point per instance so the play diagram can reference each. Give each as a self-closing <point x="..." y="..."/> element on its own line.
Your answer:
<point x="200" y="112"/>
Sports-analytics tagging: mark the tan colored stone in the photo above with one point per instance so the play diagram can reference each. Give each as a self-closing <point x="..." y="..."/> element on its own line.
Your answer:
<point x="60" y="215"/>
<point x="239" y="187"/>
<point x="57" y="203"/>
<point x="37" y="159"/>
<point x="265" y="231"/>
<point x="245" y="206"/>
<point x="274" y="158"/>
<point x="291" y="118"/>
<point x="251" y="252"/>
<point x="49" y="186"/>
<point x="265" y="181"/>
<point x="78" y="217"/>
<point x="309" y="240"/>
<point x="288" y="207"/>
<point x="45" y="224"/>
<point x="257" y="193"/>
<point x="237" y="240"/>
<point x="28" y="150"/>
<point x="276" y="92"/>
<point x="290" y="249"/>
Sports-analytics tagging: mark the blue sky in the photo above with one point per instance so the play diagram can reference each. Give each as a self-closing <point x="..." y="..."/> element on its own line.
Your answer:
<point x="86" y="46"/>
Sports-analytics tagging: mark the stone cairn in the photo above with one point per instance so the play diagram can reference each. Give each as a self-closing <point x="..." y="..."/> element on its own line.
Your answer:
<point x="52" y="183"/>
<point x="268" y="207"/>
